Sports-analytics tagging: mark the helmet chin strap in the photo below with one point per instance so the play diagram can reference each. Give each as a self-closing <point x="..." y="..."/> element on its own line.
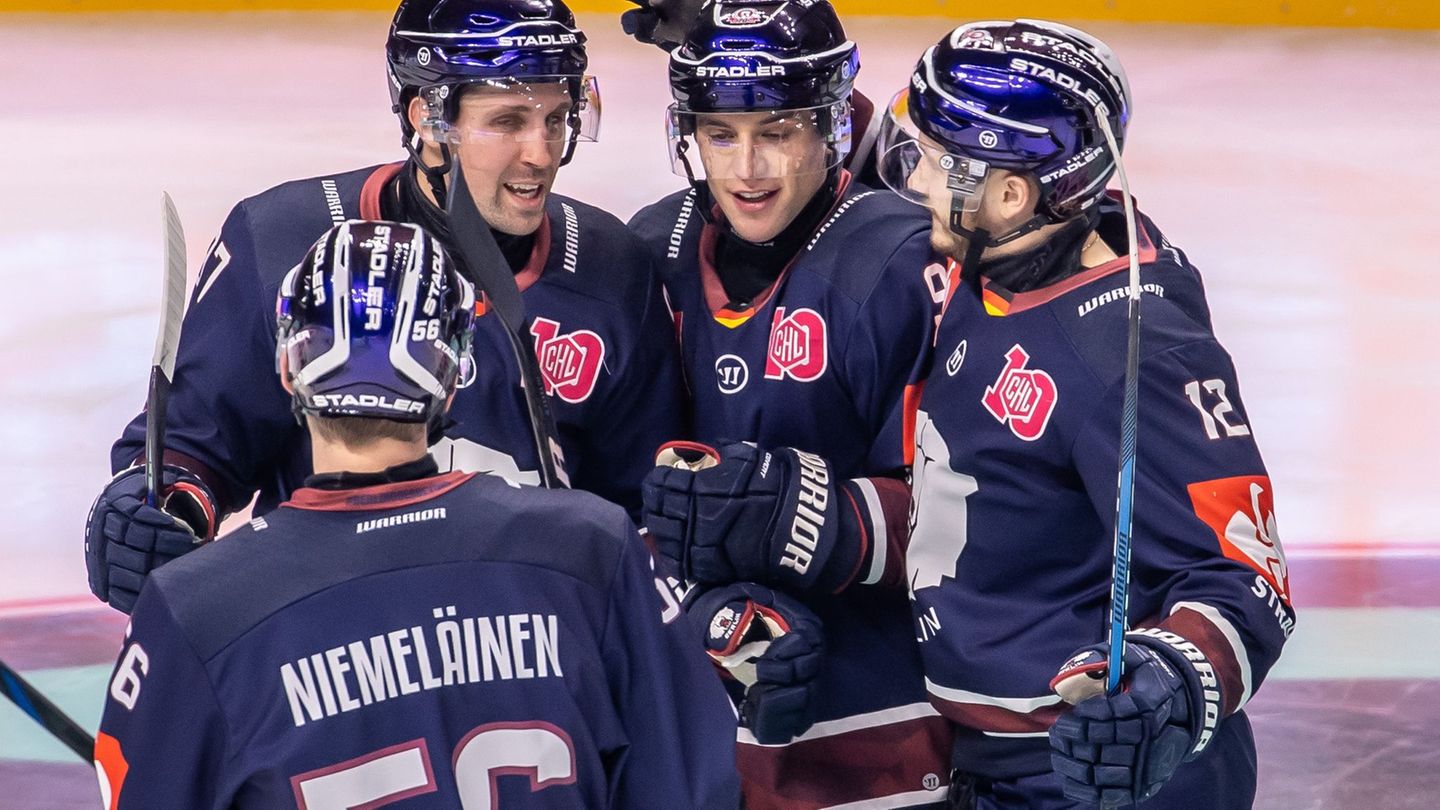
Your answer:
<point x="703" y="200"/>
<point x="978" y="240"/>
<point x="435" y="175"/>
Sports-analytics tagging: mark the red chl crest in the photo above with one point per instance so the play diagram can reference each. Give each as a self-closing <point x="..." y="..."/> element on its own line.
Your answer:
<point x="1241" y="512"/>
<point x="797" y="346"/>
<point x="570" y="363"/>
<point x="1021" y="397"/>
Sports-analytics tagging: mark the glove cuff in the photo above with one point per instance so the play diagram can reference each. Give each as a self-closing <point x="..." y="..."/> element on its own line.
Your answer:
<point x="187" y="498"/>
<point x="1202" y="686"/>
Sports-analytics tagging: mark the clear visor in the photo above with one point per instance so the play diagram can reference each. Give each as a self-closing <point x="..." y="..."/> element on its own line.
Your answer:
<point x="543" y="109"/>
<point x="754" y="145"/>
<point x="920" y="170"/>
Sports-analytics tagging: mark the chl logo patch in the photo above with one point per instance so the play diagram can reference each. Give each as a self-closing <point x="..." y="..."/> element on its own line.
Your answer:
<point x="1241" y="512"/>
<point x="1020" y="397"/>
<point x="731" y="373"/>
<point x="570" y="363"/>
<point x="797" y="346"/>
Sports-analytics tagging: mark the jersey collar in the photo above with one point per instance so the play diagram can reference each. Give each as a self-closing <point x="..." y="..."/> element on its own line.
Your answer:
<point x="1000" y="302"/>
<point x="378" y="497"/>
<point x="716" y="299"/>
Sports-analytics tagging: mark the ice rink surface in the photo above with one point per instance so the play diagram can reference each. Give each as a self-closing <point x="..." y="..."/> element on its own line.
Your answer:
<point x="1298" y="168"/>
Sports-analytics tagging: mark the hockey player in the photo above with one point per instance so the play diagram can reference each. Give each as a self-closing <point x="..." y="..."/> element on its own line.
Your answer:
<point x="664" y="23"/>
<point x="500" y="87"/>
<point x="392" y="632"/>
<point x="805" y="304"/>
<point x="1001" y="134"/>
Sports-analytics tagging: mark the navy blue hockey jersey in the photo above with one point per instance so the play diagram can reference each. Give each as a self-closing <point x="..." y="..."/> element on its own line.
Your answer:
<point x="597" y="316"/>
<point x="427" y="640"/>
<point x="822" y="362"/>
<point x="1017" y="450"/>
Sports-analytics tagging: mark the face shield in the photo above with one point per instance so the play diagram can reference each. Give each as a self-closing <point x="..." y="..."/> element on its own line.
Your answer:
<point x="494" y="113"/>
<point x="764" y="144"/>
<point x="923" y="172"/>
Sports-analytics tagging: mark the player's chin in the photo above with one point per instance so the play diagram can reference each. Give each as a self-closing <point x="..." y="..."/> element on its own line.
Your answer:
<point x="946" y="242"/>
<point x="758" y="226"/>
<point x="518" y="220"/>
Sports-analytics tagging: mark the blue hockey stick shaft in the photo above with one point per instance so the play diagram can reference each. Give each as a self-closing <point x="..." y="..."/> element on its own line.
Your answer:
<point x="1125" y="505"/>
<point x="1129" y="424"/>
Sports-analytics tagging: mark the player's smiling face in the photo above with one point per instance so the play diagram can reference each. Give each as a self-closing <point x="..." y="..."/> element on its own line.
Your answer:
<point x="511" y="141"/>
<point x="762" y="168"/>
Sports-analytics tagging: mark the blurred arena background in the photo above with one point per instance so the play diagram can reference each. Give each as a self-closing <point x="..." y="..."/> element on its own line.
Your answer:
<point x="1288" y="147"/>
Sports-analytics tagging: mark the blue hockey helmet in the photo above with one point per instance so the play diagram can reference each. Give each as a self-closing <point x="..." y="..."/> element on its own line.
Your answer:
<point x="436" y="47"/>
<point x="744" y="56"/>
<point x="375" y="321"/>
<point x="1023" y="95"/>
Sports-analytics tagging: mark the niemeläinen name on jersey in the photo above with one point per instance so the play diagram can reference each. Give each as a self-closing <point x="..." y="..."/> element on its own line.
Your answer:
<point x="515" y="646"/>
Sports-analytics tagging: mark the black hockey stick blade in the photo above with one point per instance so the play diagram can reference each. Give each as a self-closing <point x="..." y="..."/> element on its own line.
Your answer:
<point x="47" y="714"/>
<point x="492" y="273"/>
<point x="162" y="367"/>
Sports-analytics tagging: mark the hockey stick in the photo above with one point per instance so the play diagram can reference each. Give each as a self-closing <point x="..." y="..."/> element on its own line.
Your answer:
<point x="1125" y="495"/>
<point x="162" y="368"/>
<point x="47" y="714"/>
<point x="492" y="272"/>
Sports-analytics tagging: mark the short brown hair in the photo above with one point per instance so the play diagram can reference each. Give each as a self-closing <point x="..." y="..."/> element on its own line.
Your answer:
<point x="355" y="432"/>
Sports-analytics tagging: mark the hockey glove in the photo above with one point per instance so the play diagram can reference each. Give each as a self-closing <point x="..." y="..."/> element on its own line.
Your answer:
<point x="762" y="516"/>
<point x="125" y="539"/>
<point x="772" y="645"/>
<point x="661" y="22"/>
<point x="1118" y="750"/>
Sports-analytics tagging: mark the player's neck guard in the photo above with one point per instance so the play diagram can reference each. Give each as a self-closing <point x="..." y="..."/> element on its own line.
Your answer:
<point x="1055" y="259"/>
<point x="746" y="269"/>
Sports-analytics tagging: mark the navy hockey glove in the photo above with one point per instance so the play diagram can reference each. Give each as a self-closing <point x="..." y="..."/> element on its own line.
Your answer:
<point x="661" y="22"/>
<point x="746" y="514"/>
<point x="769" y="643"/>
<point x="125" y="539"/>
<point x="1118" y="750"/>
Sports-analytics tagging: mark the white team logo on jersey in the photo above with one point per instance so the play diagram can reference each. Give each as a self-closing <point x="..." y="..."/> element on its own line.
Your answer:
<point x="731" y="373"/>
<point x="938" y="513"/>
<point x="957" y="359"/>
